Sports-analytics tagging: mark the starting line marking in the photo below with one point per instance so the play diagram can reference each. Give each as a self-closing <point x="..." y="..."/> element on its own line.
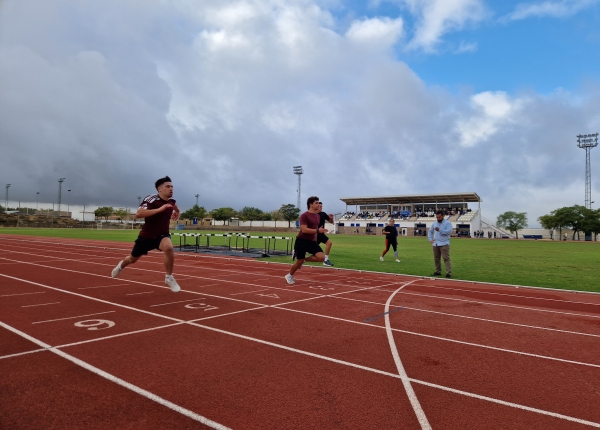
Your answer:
<point x="135" y="294"/>
<point x="22" y="294"/>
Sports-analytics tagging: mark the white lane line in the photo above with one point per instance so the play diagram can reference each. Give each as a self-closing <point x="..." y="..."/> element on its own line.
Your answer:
<point x="103" y="286"/>
<point x="509" y="404"/>
<point x="414" y="401"/>
<point x="498" y="304"/>
<point x="121" y="382"/>
<point x="70" y="318"/>
<point x="250" y="292"/>
<point x="135" y="294"/>
<point x="381" y="372"/>
<point x="533" y="327"/>
<point x="22" y="294"/>
<point x="41" y="304"/>
<point x="508" y="295"/>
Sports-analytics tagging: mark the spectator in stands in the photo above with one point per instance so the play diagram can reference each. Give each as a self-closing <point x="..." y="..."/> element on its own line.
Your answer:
<point x="439" y="236"/>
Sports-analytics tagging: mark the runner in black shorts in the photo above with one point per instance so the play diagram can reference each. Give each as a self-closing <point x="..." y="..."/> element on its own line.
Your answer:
<point x="157" y="209"/>
<point x="306" y="241"/>
<point x="391" y="239"/>
<point x="322" y="237"/>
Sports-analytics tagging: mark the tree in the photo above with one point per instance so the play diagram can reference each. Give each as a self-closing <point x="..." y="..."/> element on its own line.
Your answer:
<point x="223" y="214"/>
<point x="549" y="223"/>
<point x="289" y="213"/>
<point x="104" y="211"/>
<point x="249" y="213"/>
<point x="122" y="213"/>
<point x="194" y="212"/>
<point x="512" y="221"/>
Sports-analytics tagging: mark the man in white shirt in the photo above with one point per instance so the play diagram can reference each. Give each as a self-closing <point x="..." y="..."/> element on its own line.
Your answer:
<point x="439" y="236"/>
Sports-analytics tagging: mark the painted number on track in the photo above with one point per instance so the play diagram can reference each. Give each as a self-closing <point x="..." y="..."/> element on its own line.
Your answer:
<point x="201" y="306"/>
<point x="95" y="324"/>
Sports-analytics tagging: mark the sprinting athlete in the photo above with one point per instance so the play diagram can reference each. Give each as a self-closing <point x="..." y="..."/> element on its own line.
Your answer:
<point x="306" y="241"/>
<point x="391" y="239"/>
<point x="158" y="209"/>
<point x="322" y="237"/>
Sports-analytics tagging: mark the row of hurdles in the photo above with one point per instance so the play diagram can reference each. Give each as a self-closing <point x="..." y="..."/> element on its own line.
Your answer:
<point x="233" y="242"/>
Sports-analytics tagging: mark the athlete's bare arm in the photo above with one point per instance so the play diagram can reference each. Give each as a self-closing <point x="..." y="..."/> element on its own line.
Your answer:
<point x="143" y="213"/>
<point x="304" y="229"/>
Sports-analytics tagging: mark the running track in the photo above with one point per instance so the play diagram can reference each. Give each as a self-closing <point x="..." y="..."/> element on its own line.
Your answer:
<point x="239" y="348"/>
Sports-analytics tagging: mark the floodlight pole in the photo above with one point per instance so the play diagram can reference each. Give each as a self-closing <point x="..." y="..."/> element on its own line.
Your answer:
<point x="196" y="195"/>
<point x="68" y="201"/>
<point x="37" y="203"/>
<point x="139" y="200"/>
<point x="587" y="142"/>
<point x="298" y="171"/>
<point x="7" y="187"/>
<point x="60" y="182"/>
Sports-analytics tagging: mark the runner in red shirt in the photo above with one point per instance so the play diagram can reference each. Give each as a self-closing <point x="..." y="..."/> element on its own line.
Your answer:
<point x="306" y="241"/>
<point x="157" y="209"/>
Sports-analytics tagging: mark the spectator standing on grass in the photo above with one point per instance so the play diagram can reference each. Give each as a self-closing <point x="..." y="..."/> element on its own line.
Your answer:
<point x="391" y="239"/>
<point x="306" y="241"/>
<point x="322" y="237"/>
<point x="439" y="237"/>
<point x="157" y="209"/>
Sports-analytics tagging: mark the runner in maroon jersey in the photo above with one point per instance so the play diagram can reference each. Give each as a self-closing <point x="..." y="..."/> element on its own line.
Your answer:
<point x="158" y="209"/>
<point x="306" y="241"/>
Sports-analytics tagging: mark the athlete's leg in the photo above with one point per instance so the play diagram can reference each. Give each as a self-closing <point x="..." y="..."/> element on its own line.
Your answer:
<point x="167" y="247"/>
<point x="317" y="258"/>
<point x="328" y="248"/>
<point x="387" y="248"/>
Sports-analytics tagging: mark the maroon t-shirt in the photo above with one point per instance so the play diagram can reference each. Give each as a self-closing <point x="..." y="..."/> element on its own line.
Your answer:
<point x="311" y="221"/>
<point x="157" y="224"/>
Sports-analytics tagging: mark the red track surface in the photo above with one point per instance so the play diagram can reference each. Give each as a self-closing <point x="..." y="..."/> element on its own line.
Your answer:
<point x="239" y="348"/>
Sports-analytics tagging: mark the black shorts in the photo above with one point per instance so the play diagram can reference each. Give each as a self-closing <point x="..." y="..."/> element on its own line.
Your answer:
<point x="392" y="243"/>
<point x="322" y="238"/>
<point x="144" y="244"/>
<point x="304" y="246"/>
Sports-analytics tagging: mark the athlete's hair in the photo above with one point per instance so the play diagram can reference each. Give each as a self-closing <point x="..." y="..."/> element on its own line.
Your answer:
<point x="161" y="181"/>
<point x="391" y="219"/>
<point x="439" y="213"/>
<point x="311" y="200"/>
<point x="320" y="202"/>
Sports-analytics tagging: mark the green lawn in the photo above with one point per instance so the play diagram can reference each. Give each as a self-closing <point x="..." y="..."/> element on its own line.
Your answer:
<point x="566" y="265"/>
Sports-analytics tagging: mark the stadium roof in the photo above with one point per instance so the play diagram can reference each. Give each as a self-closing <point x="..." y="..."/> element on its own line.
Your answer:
<point x="413" y="199"/>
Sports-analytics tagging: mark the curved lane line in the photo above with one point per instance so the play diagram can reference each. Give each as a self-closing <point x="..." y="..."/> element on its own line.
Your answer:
<point x="403" y="376"/>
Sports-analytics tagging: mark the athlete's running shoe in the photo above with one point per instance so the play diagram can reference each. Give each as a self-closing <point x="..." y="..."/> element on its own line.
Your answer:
<point x="381" y="259"/>
<point x="397" y="261"/>
<point x="327" y="263"/>
<point x="290" y="279"/>
<point x="116" y="270"/>
<point x="171" y="282"/>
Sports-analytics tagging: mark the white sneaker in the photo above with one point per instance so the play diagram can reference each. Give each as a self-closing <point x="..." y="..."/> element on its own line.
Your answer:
<point x="397" y="261"/>
<point x="171" y="282"/>
<point x="116" y="270"/>
<point x="381" y="259"/>
<point x="290" y="279"/>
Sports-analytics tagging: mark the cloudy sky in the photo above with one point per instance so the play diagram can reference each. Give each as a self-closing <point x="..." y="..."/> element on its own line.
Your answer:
<point x="378" y="97"/>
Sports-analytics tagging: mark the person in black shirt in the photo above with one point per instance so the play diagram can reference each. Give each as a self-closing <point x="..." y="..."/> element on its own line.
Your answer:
<point x="322" y="237"/>
<point x="391" y="239"/>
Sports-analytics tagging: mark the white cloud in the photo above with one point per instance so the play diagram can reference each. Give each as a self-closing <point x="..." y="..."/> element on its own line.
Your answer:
<point x="491" y="110"/>
<point x="557" y="9"/>
<point x="438" y="17"/>
<point x="383" y="31"/>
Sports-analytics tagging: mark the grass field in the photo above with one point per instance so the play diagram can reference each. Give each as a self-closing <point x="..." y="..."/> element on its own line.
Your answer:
<point x="564" y="265"/>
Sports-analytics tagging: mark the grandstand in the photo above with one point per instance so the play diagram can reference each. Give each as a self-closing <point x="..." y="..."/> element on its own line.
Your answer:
<point x="413" y="213"/>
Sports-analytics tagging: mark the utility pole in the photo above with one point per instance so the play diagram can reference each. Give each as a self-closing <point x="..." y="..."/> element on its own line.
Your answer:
<point x="298" y="171"/>
<point x="587" y="142"/>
